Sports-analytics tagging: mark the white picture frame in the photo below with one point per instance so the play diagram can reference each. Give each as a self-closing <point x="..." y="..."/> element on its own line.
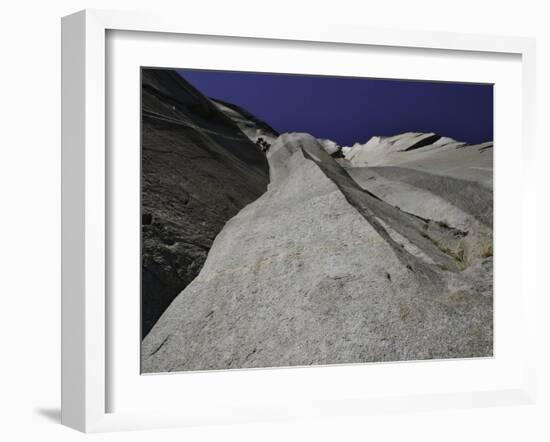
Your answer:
<point x="86" y="317"/>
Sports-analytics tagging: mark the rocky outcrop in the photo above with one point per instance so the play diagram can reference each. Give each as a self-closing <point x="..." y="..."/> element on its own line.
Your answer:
<point x="198" y="170"/>
<point x="320" y="269"/>
<point x="426" y="152"/>
<point x="330" y="147"/>
<point x="254" y="128"/>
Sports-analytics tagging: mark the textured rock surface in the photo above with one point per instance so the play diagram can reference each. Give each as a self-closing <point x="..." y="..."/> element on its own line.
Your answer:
<point x="329" y="146"/>
<point x="251" y="126"/>
<point x="427" y="152"/>
<point x="198" y="170"/>
<point x="320" y="270"/>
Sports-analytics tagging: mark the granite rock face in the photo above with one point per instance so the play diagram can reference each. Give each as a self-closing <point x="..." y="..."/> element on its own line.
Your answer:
<point x="427" y="152"/>
<point x="198" y="170"/>
<point x="323" y="268"/>
<point x="250" y="125"/>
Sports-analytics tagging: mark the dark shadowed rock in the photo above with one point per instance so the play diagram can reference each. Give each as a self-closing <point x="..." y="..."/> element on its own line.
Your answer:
<point x="198" y="170"/>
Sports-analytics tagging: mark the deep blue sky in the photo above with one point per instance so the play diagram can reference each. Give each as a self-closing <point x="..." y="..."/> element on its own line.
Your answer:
<point x="347" y="110"/>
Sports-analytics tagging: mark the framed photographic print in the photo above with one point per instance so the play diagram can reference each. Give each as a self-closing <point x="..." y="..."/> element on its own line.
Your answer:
<point x="263" y="223"/>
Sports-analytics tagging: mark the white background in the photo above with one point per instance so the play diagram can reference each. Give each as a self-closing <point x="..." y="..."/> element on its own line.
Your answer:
<point x="29" y="222"/>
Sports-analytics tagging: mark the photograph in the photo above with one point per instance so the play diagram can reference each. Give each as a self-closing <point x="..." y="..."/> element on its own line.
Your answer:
<point x="293" y="220"/>
<point x="242" y="222"/>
